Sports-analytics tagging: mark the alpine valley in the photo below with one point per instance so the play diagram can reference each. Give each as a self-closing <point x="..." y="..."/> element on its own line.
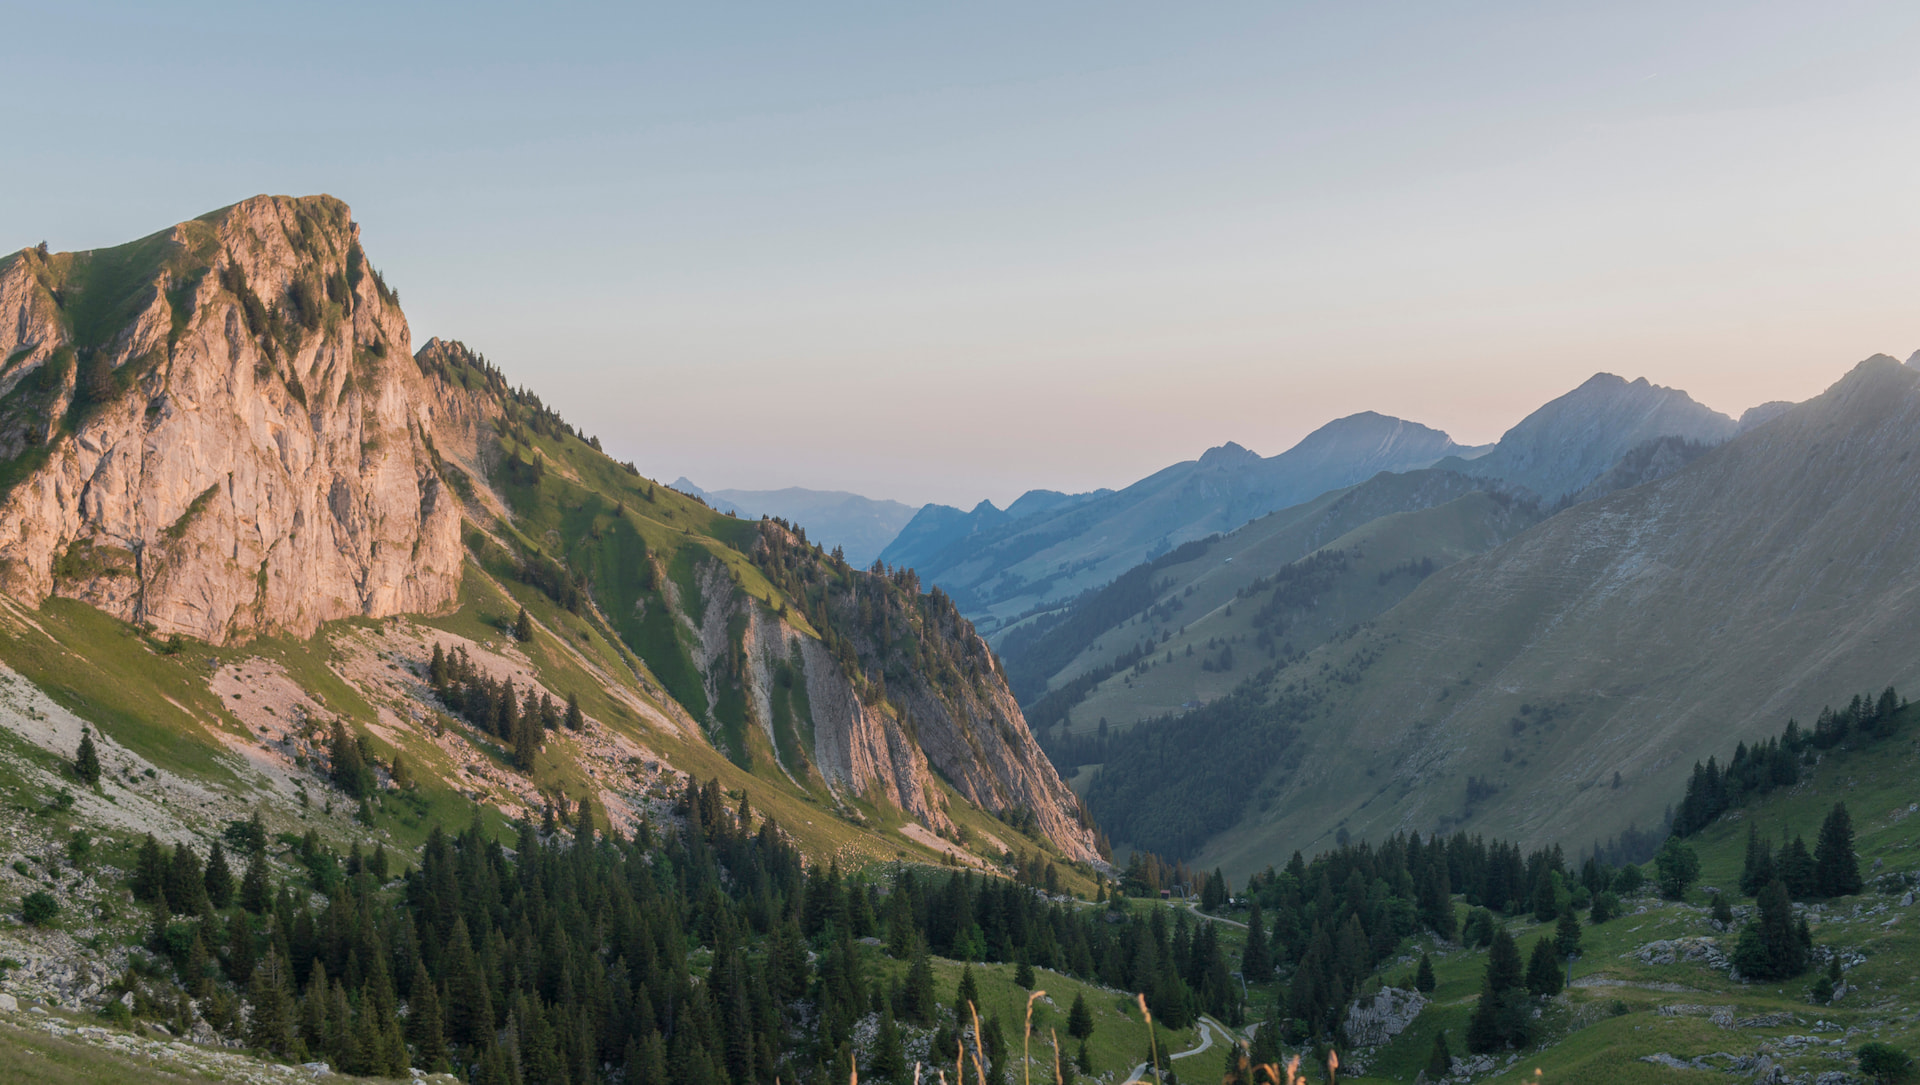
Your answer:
<point x="361" y="718"/>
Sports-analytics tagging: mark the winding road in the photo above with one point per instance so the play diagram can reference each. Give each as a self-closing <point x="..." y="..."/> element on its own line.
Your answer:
<point x="1207" y="1026"/>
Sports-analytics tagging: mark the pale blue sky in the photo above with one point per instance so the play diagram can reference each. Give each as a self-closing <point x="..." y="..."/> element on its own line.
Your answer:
<point x="945" y="253"/>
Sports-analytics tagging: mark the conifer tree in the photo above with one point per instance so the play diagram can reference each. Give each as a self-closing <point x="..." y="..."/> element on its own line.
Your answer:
<point x="1796" y="870"/>
<point x="889" y="1062"/>
<point x="527" y="734"/>
<point x="256" y="895"/>
<point x="1439" y="1058"/>
<point x="1543" y="970"/>
<point x="218" y="878"/>
<point x="86" y="762"/>
<point x="186" y="885"/>
<point x="1256" y="957"/>
<point x="1756" y="869"/>
<point x="1080" y="1018"/>
<point x="968" y="993"/>
<point x="1771" y="947"/>
<point x="469" y="1004"/>
<point x="149" y="870"/>
<point x="1566" y="935"/>
<point x="270" y="997"/>
<point x="241" y="960"/>
<point x="1423" y="979"/>
<point x="1023" y="974"/>
<point x="523" y="626"/>
<point x="917" y="996"/>
<point x="348" y="766"/>
<point x="575" y="719"/>
<point x="1500" y="1014"/>
<point x="424" y="1028"/>
<point x="1836" y="870"/>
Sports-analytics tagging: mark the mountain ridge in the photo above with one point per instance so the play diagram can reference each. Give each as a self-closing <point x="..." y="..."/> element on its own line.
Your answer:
<point x="220" y="432"/>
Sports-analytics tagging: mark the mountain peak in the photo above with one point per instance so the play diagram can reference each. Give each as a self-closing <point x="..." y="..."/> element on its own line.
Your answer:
<point x="1573" y="439"/>
<point x="1230" y="454"/>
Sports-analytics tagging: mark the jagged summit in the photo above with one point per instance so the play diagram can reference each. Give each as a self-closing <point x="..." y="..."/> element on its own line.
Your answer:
<point x="1230" y="454"/>
<point x="217" y="430"/>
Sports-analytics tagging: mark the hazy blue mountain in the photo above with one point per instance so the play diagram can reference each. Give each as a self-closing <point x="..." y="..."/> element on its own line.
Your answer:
<point x="999" y="567"/>
<point x="860" y="526"/>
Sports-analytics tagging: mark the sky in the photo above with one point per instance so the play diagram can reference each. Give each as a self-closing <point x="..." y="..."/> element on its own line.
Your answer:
<point x="954" y="252"/>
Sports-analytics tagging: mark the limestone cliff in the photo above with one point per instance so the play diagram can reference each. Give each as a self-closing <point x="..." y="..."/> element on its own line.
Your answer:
<point x="221" y="431"/>
<point x="217" y="430"/>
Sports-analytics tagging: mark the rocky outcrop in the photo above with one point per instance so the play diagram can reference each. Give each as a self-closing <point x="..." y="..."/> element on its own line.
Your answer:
<point x="228" y="434"/>
<point x="972" y="734"/>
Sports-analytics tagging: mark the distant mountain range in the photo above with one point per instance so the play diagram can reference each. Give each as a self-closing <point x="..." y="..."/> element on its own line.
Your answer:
<point x="860" y="526"/>
<point x="1048" y="548"/>
<point x="1558" y="684"/>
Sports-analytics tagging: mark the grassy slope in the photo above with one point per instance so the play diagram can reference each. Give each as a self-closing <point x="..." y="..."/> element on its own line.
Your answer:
<point x="159" y="705"/>
<point x="1768" y="577"/>
<point x="1445" y="534"/>
<point x="1587" y="1042"/>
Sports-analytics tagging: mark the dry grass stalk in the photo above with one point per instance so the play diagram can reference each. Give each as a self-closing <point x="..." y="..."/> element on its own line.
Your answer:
<point x="979" y="1054"/>
<point x="1026" y="1035"/>
<point x="1057" y="1079"/>
<point x="1153" y="1046"/>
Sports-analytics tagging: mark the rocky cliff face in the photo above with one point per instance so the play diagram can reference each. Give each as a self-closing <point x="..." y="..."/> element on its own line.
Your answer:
<point x="904" y="685"/>
<point x="218" y="430"/>
<point x="221" y="431"/>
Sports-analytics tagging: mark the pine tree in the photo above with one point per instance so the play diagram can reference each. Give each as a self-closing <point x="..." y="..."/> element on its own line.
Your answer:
<point x="1492" y="1026"/>
<point x="1080" y="1018"/>
<point x="917" y="996"/>
<point x="526" y="743"/>
<point x="86" y="762"/>
<point x="1796" y="870"/>
<point x="1023" y="974"/>
<point x="219" y="878"/>
<point x="1722" y="912"/>
<point x="256" y="895"/>
<point x="1771" y="947"/>
<point x="1256" y="956"/>
<point x="270" y="1024"/>
<point x="889" y="1062"/>
<point x="469" y="1004"/>
<point x="1439" y="1059"/>
<point x="523" y="626"/>
<point x="424" y="1027"/>
<point x="186" y="884"/>
<point x="1756" y="869"/>
<point x="1543" y="970"/>
<point x="240" y="953"/>
<point x="437" y="670"/>
<point x="347" y="764"/>
<point x="149" y="871"/>
<point x="1566" y="935"/>
<point x="575" y="719"/>
<point x="1423" y="980"/>
<point x="968" y="993"/>
<point x="1836" y="870"/>
<point x="648" y="1061"/>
